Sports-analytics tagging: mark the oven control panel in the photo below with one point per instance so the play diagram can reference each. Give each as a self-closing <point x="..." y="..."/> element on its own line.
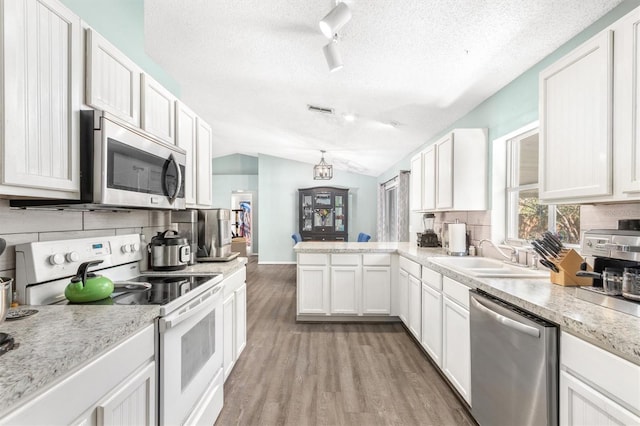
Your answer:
<point x="43" y="261"/>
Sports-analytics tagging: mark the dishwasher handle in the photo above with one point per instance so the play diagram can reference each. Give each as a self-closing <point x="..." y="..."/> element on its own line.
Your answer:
<point x="507" y="322"/>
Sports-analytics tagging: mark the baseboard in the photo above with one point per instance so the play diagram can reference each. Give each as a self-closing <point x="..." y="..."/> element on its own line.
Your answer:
<point x="275" y="262"/>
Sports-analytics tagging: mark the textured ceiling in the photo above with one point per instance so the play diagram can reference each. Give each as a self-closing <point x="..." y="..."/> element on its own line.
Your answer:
<point x="250" y="67"/>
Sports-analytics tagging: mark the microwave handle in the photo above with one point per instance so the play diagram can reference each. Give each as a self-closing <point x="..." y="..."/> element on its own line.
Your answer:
<point x="172" y="197"/>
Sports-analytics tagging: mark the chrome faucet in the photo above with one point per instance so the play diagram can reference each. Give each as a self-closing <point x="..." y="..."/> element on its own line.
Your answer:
<point x="514" y="252"/>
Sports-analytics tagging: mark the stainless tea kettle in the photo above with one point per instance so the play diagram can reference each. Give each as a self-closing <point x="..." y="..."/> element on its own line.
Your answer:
<point x="168" y="251"/>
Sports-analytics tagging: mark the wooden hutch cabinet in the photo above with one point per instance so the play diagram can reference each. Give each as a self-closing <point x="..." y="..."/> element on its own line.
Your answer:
<point x="323" y="214"/>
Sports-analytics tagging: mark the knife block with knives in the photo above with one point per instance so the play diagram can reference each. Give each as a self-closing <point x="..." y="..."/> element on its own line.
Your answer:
<point x="563" y="262"/>
<point x="568" y="263"/>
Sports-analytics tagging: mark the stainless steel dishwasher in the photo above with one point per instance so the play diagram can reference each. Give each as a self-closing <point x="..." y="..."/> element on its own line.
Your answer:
<point x="514" y="365"/>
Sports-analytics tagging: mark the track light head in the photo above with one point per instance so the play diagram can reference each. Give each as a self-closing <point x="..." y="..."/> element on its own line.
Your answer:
<point x="332" y="55"/>
<point x="331" y="24"/>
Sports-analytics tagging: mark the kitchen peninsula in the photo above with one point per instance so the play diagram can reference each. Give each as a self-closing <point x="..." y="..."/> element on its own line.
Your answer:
<point x="614" y="331"/>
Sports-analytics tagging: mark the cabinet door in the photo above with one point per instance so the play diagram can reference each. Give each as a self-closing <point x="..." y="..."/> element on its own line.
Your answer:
<point x="626" y="97"/>
<point x="113" y="80"/>
<point x="313" y="290"/>
<point x="134" y="403"/>
<point x="429" y="178"/>
<point x="580" y="404"/>
<point x="186" y="139"/>
<point x="444" y="167"/>
<point x="415" y="196"/>
<point x="576" y="123"/>
<point x="158" y="110"/>
<point x="241" y="319"/>
<point x="415" y="307"/>
<point x="345" y="285"/>
<point x="205" y="140"/>
<point x="456" y="347"/>
<point x="432" y="323"/>
<point x="376" y="290"/>
<point x="229" y="334"/>
<point x="403" y="296"/>
<point x="41" y="73"/>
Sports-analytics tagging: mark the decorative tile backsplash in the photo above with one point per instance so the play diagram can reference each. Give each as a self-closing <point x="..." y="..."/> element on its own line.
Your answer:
<point x="19" y="226"/>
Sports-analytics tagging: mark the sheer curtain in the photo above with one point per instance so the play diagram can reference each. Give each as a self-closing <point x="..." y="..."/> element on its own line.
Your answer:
<point x="393" y="209"/>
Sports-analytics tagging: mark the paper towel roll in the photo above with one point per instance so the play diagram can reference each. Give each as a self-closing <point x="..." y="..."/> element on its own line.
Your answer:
<point x="457" y="238"/>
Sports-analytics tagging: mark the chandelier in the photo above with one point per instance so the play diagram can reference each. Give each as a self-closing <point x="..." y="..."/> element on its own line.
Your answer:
<point x="322" y="170"/>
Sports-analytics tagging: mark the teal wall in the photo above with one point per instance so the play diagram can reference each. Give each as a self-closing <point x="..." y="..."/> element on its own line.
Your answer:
<point x="122" y="23"/>
<point x="236" y="164"/>
<point x="278" y="183"/>
<point x="516" y="104"/>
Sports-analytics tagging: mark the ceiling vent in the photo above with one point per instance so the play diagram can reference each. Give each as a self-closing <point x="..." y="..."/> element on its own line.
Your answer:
<point x="315" y="108"/>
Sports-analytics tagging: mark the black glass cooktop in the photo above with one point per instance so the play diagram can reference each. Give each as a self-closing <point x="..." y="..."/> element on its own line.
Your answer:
<point x="162" y="290"/>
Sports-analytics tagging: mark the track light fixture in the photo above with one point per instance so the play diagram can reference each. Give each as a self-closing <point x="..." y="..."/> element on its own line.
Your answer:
<point x="331" y="24"/>
<point x="332" y="55"/>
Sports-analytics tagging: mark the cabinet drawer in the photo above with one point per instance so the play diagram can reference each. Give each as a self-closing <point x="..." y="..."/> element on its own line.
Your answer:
<point x="456" y="291"/>
<point x="432" y="278"/>
<point x="345" y="259"/>
<point x="410" y="266"/>
<point x="617" y="376"/>
<point x="312" y="259"/>
<point x="378" y="259"/>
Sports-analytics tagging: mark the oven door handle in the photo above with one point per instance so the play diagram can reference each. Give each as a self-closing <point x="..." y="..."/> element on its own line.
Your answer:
<point x="507" y="322"/>
<point x="203" y="302"/>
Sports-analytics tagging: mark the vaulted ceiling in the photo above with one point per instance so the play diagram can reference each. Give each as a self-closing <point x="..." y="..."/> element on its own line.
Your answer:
<point x="411" y="68"/>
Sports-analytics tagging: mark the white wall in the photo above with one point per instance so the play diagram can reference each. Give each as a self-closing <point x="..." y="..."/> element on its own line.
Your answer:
<point x="278" y="183"/>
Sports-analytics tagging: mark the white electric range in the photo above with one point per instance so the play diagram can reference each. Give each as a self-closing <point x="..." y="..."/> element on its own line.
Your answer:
<point x="189" y="327"/>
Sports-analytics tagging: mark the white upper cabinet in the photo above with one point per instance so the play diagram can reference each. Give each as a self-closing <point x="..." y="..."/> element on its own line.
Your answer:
<point x="41" y="75"/>
<point x="454" y="173"/>
<point x="576" y="123"/>
<point x="186" y="128"/>
<point x="444" y="173"/>
<point x="204" y="197"/>
<point x="627" y="115"/>
<point x="429" y="178"/>
<point x="113" y="80"/>
<point x="415" y="196"/>
<point x="158" y="110"/>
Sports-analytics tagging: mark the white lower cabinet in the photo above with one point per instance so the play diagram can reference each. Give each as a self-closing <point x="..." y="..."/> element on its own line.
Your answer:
<point x="580" y="404"/>
<point x="376" y="290"/>
<point x="122" y="381"/>
<point x="403" y="296"/>
<point x="608" y="395"/>
<point x="234" y="319"/>
<point x="414" y="316"/>
<point x="345" y="286"/>
<point x="456" y="343"/>
<point x="432" y="314"/>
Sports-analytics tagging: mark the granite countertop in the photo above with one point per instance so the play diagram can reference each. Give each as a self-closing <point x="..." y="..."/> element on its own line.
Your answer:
<point x="614" y="331"/>
<point x="59" y="339"/>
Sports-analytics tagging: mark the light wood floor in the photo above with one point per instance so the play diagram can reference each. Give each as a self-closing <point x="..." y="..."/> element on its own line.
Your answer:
<point x="328" y="374"/>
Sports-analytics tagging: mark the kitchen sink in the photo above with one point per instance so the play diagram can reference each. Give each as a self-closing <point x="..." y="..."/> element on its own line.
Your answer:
<point x="487" y="267"/>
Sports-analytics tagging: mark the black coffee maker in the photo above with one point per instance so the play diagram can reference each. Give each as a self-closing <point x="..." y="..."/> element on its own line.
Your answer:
<point x="428" y="238"/>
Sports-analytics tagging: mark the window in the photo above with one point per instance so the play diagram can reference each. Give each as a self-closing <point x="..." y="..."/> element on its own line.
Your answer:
<point x="526" y="218"/>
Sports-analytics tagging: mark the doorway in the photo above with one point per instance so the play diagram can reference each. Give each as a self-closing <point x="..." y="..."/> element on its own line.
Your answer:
<point x="242" y="213"/>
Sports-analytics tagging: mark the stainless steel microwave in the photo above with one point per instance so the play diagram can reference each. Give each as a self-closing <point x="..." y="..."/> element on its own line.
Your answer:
<point x="123" y="167"/>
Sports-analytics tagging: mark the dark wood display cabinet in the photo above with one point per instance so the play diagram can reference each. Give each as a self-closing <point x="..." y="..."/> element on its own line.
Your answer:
<point x="323" y="213"/>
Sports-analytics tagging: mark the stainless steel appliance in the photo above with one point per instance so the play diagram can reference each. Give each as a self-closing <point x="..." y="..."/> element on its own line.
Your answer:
<point x="615" y="257"/>
<point x="189" y="326"/>
<point x="214" y="235"/>
<point x="168" y="251"/>
<point x="514" y="365"/>
<point x="123" y="167"/>
<point x="186" y="222"/>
